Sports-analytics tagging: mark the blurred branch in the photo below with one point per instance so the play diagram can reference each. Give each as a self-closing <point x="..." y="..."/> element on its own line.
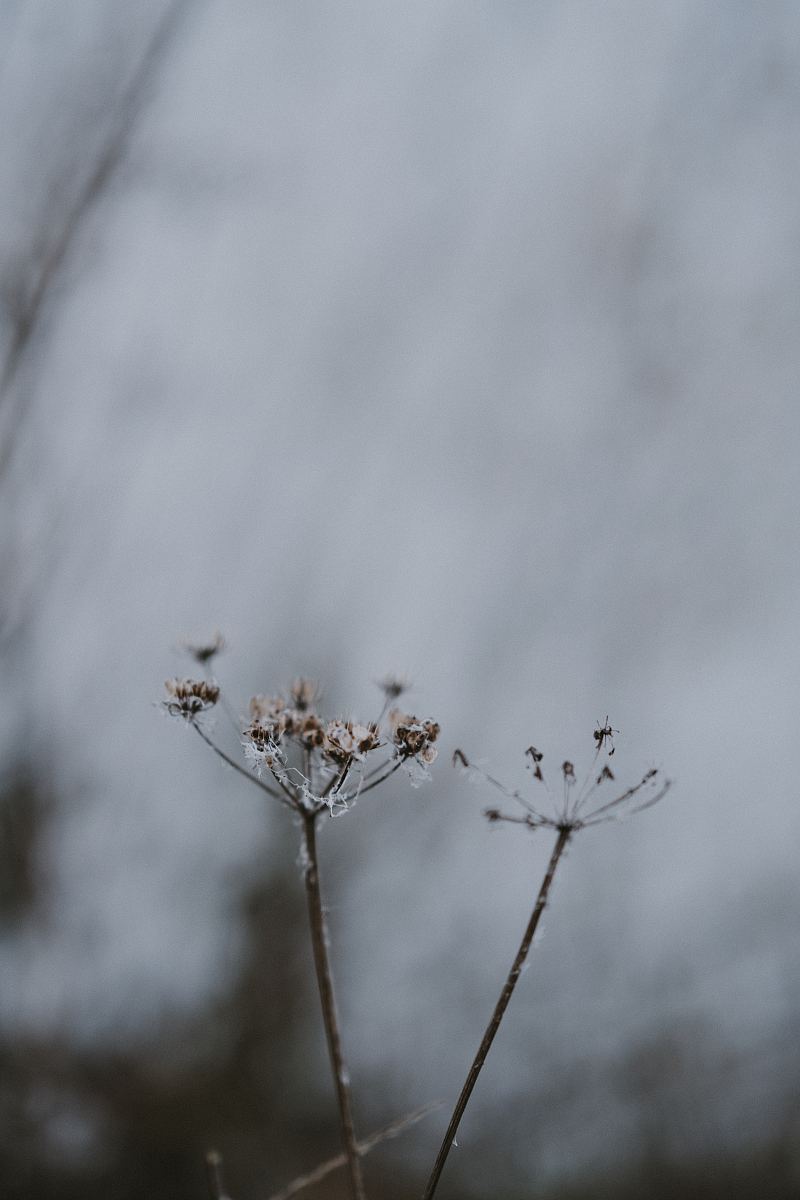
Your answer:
<point x="43" y="268"/>
<point x="214" y="1172"/>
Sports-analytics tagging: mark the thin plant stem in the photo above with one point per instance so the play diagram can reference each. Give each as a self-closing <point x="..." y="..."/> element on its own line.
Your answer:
<point x="338" y="1161"/>
<point x="564" y="834"/>
<point x="226" y="758"/>
<point x="395" y="766"/>
<point x="319" y="943"/>
<point x="337" y="781"/>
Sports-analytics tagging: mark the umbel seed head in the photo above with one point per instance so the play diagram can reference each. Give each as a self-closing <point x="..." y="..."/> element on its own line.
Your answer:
<point x="189" y="697"/>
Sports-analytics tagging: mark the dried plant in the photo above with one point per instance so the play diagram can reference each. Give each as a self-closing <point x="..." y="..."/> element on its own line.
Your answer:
<point x="314" y="767"/>
<point x="573" y="809"/>
<point x="317" y="767"/>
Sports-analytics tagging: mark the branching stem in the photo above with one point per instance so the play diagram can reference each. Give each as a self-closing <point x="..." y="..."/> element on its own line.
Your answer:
<point x="319" y="943"/>
<point x="564" y="834"/>
<point x="226" y="758"/>
<point x="394" y="767"/>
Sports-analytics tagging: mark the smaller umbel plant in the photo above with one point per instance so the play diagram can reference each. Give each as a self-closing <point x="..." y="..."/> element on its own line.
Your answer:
<point x="565" y="813"/>
<point x="317" y="767"/>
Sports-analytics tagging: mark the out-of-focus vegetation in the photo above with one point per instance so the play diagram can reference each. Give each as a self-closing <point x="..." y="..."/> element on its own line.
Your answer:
<point x="245" y="1076"/>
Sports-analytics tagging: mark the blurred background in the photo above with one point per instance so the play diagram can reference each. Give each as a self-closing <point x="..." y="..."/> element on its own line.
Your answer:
<point x="451" y="339"/>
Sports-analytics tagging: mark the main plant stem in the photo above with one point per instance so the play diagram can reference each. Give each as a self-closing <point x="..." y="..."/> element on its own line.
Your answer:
<point x="564" y="835"/>
<point x="319" y="943"/>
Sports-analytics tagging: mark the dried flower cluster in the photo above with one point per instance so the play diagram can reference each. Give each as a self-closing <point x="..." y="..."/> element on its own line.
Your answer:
<point x="575" y="807"/>
<point x="313" y="764"/>
<point x="317" y="762"/>
<point x="189" y="697"/>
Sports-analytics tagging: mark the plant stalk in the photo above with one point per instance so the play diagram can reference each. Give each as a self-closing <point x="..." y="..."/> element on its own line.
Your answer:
<point x="319" y="943"/>
<point x="564" y="835"/>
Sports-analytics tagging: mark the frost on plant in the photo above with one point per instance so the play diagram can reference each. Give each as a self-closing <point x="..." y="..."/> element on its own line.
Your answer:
<point x="317" y="764"/>
<point x="314" y="765"/>
<point x="309" y="761"/>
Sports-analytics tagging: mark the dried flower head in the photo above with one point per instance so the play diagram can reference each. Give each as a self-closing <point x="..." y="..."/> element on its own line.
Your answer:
<point x="310" y="731"/>
<point x="189" y="697"/>
<point x="414" y="738"/>
<point x="393" y="686"/>
<point x="261" y="746"/>
<point x="314" y="763"/>
<point x="203" y="652"/>
<point x="304" y="694"/>
<point x="576" y="807"/>
<point x="347" y="741"/>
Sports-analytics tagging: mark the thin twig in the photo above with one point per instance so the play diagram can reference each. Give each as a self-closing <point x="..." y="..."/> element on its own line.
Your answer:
<point x="46" y="273"/>
<point x="626" y="795"/>
<point x="363" y="1147"/>
<point x="316" y="918"/>
<point x="660" y="794"/>
<point x="382" y="778"/>
<point x="226" y="758"/>
<point x="337" y="781"/>
<point x="564" y="834"/>
<point x="376" y="770"/>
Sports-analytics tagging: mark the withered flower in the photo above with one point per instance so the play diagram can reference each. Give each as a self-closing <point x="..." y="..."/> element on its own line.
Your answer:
<point x="203" y="652"/>
<point x="578" y="807"/>
<point x="273" y="713"/>
<point x="304" y="694"/>
<point x="261" y="746"/>
<point x="414" y="738"/>
<point x="189" y="697"/>
<point x="348" y="740"/>
<point x="393" y="686"/>
<point x="310" y="731"/>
